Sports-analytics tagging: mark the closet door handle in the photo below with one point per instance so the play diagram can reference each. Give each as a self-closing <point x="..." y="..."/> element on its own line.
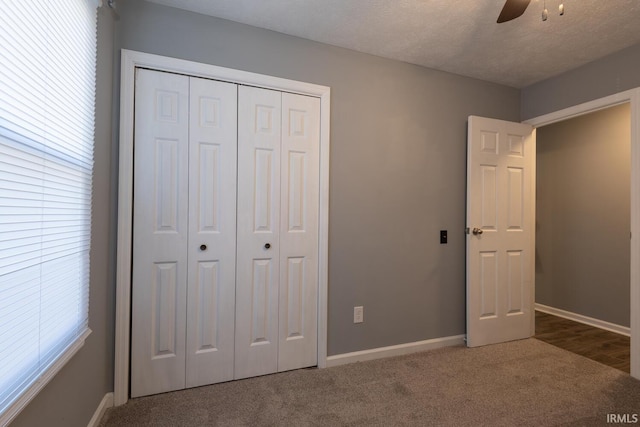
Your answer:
<point x="203" y="247"/>
<point x="267" y="245"/>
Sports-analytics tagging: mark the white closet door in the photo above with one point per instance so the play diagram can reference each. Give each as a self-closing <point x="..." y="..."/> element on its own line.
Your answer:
<point x="259" y="123"/>
<point x="160" y="233"/>
<point x="212" y="232"/>
<point x="298" y="335"/>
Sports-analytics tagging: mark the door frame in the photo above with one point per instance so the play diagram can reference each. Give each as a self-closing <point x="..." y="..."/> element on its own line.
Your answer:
<point x="632" y="97"/>
<point x="130" y="60"/>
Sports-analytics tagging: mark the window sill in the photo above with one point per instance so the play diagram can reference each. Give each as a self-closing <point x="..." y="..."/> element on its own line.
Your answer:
<point x="32" y="391"/>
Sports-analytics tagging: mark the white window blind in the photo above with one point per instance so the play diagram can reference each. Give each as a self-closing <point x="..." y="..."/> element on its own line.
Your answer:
<point x="47" y="99"/>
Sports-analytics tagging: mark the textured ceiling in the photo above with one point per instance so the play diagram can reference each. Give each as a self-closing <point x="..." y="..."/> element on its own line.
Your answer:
<point x="458" y="36"/>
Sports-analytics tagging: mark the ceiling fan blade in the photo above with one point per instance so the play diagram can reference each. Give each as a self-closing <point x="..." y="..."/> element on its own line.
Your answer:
<point x="512" y="9"/>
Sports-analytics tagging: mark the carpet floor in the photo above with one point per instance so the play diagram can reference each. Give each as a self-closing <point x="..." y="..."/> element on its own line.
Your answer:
<point x="528" y="383"/>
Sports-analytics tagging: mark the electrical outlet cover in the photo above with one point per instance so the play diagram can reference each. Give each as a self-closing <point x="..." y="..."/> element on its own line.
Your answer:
<point x="358" y="314"/>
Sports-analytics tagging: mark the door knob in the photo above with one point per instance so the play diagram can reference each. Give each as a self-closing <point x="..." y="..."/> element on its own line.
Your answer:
<point x="203" y="247"/>
<point x="477" y="231"/>
<point x="267" y="245"/>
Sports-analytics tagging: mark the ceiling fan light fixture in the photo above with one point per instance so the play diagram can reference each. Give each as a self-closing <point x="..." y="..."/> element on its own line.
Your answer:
<point x="545" y="14"/>
<point x="561" y="9"/>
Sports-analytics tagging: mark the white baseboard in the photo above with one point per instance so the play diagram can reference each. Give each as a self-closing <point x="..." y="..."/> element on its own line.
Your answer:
<point x="105" y="403"/>
<point x="394" y="350"/>
<point x="612" y="327"/>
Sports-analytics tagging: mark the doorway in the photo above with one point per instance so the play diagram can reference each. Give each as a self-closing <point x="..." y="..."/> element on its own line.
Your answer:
<point x="582" y="234"/>
<point x="631" y="96"/>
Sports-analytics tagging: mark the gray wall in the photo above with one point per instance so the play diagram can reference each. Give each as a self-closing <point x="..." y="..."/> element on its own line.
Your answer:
<point x="615" y="73"/>
<point x="73" y="395"/>
<point x="397" y="173"/>
<point x="583" y="215"/>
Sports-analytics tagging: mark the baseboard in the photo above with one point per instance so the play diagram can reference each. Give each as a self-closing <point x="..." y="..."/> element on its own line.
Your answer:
<point x="105" y="403"/>
<point x="394" y="350"/>
<point x="596" y="323"/>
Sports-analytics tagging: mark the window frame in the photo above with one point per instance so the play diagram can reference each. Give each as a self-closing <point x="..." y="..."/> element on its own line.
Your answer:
<point x="64" y="350"/>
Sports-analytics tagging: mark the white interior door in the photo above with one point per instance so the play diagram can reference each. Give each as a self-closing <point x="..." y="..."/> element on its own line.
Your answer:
<point x="298" y="330"/>
<point x="226" y="199"/>
<point x="258" y="234"/>
<point x="500" y="239"/>
<point x="212" y="232"/>
<point x="160" y="212"/>
<point x="277" y="254"/>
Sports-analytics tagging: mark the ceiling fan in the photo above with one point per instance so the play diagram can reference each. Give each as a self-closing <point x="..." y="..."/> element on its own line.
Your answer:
<point x="514" y="8"/>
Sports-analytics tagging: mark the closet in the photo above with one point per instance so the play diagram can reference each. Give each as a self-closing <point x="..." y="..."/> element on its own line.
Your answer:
<point x="225" y="232"/>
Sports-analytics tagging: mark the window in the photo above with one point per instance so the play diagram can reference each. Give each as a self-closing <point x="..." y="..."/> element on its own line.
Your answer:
<point x="47" y="102"/>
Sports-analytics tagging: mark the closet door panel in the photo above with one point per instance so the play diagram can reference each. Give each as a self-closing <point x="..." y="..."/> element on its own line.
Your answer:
<point x="159" y="233"/>
<point x="257" y="283"/>
<point x="212" y="232"/>
<point x="298" y="312"/>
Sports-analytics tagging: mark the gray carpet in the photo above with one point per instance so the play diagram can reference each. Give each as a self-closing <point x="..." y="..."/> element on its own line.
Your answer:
<point x="526" y="382"/>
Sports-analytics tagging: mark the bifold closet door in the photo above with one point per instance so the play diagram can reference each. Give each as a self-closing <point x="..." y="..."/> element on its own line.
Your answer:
<point x="277" y="253"/>
<point x="225" y="232"/>
<point x="300" y="197"/>
<point x="258" y="237"/>
<point x="183" y="232"/>
<point x="160" y="221"/>
<point x="212" y="231"/>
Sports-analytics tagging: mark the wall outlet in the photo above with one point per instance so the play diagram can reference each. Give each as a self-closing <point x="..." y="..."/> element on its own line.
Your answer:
<point x="358" y="314"/>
